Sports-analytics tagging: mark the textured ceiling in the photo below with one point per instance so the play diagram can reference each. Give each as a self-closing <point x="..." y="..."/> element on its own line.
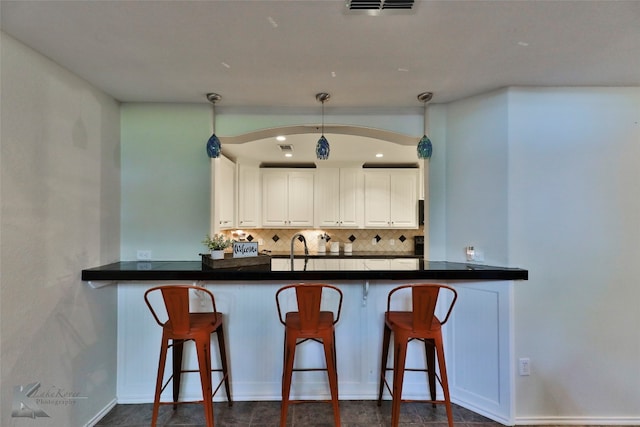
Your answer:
<point x="281" y="53"/>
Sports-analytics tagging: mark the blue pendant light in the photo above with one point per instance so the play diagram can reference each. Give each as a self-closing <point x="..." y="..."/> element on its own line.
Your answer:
<point x="213" y="144"/>
<point x="425" y="149"/>
<point x="322" y="147"/>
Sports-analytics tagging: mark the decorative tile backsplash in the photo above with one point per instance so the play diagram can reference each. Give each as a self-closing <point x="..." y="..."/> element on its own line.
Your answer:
<point x="387" y="240"/>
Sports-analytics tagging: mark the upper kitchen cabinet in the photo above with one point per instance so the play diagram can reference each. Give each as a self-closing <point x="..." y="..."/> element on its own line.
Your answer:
<point x="287" y="197"/>
<point x="223" y="200"/>
<point x="339" y="197"/>
<point x="391" y="198"/>
<point x="248" y="196"/>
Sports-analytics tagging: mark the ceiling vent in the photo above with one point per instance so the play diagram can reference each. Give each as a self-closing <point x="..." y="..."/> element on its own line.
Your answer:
<point x="376" y="7"/>
<point x="286" y="148"/>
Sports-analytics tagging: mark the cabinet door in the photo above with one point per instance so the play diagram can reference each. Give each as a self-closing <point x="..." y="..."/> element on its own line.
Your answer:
<point x="404" y="199"/>
<point x="351" y="199"/>
<point x="376" y="199"/>
<point x="248" y="196"/>
<point x="328" y="197"/>
<point x="224" y="189"/>
<point x="300" y="199"/>
<point x="274" y="198"/>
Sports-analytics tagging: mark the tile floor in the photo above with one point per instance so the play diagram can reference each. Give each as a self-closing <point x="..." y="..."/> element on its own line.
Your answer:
<point x="263" y="414"/>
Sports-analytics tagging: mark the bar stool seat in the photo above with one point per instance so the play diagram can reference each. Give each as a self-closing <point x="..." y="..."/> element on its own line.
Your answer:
<point x="309" y="323"/>
<point x="180" y="326"/>
<point x="422" y="324"/>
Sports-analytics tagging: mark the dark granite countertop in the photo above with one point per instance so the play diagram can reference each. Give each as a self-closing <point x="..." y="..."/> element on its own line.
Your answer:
<point x="306" y="268"/>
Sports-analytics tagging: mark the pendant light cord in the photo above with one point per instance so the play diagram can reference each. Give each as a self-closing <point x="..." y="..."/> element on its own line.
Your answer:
<point x="322" y="118"/>
<point x="424" y="118"/>
<point x="213" y="117"/>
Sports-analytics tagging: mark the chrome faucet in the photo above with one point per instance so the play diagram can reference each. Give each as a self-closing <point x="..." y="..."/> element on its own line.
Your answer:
<point x="293" y="239"/>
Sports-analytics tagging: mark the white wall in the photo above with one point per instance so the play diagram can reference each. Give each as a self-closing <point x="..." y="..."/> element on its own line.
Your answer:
<point x="165" y="180"/>
<point x="477" y="178"/>
<point x="574" y="223"/>
<point x="60" y="198"/>
<point x="546" y="179"/>
<point x="435" y="184"/>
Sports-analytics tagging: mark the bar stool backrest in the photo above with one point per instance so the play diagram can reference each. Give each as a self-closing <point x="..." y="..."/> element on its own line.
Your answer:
<point x="176" y="301"/>
<point x="424" y="299"/>
<point x="309" y="299"/>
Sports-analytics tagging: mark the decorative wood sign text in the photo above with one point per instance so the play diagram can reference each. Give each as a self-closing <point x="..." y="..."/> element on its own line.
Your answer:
<point x="245" y="249"/>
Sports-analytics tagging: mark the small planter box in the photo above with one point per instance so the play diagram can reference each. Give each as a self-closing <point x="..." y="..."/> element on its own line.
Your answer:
<point x="230" y="262"/>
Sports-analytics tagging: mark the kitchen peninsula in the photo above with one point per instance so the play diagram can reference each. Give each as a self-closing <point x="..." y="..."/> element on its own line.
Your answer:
<point x="338" y="267"/>
<point x="478" y="335"/>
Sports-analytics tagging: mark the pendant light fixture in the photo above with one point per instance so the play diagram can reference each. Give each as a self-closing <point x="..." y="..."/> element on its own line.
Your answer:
<point x="425" y="149"/>
<point x="322" y="148"/>
<point x="213" y="144"/>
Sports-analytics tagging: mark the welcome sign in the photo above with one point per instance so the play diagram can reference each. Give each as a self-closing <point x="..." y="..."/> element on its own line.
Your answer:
<point x="245" y="249"/>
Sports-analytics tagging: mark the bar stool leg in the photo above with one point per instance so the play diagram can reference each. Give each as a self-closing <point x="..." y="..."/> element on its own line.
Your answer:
<point x="385" y="357"/>
<point x="400" y="356"/>
<point x="329" y="353"/>
<point x="289" y="354"/>
<point x="159" y="380"/>
<point x="204" y="363"/>
<point x="444" y="379"/>
<point x="178" y="347"/>
<point x="223" y="358"/>
<point x="430" y="353"/>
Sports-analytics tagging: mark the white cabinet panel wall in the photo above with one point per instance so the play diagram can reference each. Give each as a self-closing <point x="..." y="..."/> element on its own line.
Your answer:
<point x="477" y="343"/>
<point x="479" y="340"/>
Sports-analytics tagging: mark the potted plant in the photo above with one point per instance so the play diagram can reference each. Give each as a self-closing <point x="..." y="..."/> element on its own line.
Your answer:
<point x="217" y="244"/>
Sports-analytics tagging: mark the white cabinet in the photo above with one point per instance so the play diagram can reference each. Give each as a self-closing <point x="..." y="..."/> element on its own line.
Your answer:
<point x="287" y="198"/>
<point x="248" y="196"/>
<point x="391" y="198"/>
<point x="339" y="197"/>
<point x="223" y="186"/>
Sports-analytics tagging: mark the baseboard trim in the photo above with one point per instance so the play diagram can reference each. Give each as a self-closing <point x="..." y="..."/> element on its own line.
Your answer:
<point x="104" y="411"/>
<point x="609" y="421"/>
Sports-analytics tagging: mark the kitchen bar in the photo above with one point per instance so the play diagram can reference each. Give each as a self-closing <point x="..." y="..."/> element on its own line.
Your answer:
<point x="478" y="336"/>
<point x="408" y="269"/>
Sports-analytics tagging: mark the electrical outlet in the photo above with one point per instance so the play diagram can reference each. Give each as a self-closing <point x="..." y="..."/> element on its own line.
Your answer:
<point x="524" y="366"/>
<point x="260" y="242"/>
<point x="143" y="255"/>
<point x="143" y="266"/>
<point x="470" y="252"/>
<point x="374" y="241"/>
<point x="392" y="242"/>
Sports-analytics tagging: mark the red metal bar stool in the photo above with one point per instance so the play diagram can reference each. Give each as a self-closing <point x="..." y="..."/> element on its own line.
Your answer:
<point x="183" y="324"/>
<point x="310" y="322"/>
<point x="421" y="324"/>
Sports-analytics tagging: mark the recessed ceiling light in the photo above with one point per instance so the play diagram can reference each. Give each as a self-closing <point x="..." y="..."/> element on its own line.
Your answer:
<point x="225" y="65"/>
<point x="379" y="155"/>
<point x="281" y="138"/>
<point x="524" y="44"/>
<point x="403" y="70"/>
<point x="288" y="155"/>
